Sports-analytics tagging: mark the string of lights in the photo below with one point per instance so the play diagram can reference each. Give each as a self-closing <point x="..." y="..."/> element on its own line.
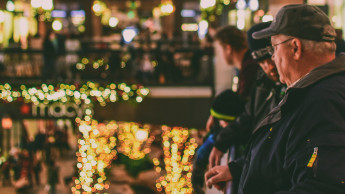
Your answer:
<point x="96" y="64"/>
<point x="134" y="141"/>
<point x="85" y="93"/>
<point x="178" y="150"/>
<point x="96" y="152"/>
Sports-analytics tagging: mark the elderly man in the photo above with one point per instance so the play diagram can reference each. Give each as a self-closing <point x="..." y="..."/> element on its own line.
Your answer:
<point x="299" y="147"/>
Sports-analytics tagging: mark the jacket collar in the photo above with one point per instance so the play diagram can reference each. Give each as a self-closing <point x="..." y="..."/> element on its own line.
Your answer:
<point x="335" y="66"/>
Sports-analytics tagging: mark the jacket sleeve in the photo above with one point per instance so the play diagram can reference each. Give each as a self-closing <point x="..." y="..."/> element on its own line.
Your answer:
<point x="315" y="152"/>
<point x="235" y="168"/>
<point x="237" y="132"/>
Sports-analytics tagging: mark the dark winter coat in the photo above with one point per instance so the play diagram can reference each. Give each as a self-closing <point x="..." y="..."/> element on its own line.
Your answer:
<point x="299" y="147"/>
<point x="265" y="96"/>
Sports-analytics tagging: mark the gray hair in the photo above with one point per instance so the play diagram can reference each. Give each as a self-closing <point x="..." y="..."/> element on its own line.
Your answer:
<point x="319" y="48"/>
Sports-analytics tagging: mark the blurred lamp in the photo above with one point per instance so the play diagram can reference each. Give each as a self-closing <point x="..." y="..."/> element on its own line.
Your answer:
<point x="2" y="16"/>
<point x="190" y="27"/>
<point x="241" y="4"/>
<point x="6" y="122"/>
<point x="98" y="7"/>
<point x="188" y="13"/>
<point x="267" y="18"/>
<point x="10" y="5"/>
<point x="141" y="135"/>
<point x="203" y="29"/>
<point x="241" y="19"/>
<point x="36" y="3"/>
<point x="47" y="4"/>
<point x="113" y="21"/>
<point x="128" y="34"/>
<point x="226" y="2"/>
<point x="57" y="25"/>
<point x="253" y="5"/>
<point x="204" y="4"/>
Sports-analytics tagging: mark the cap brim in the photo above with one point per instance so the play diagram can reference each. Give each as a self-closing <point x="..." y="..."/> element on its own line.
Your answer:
<point x="265" y="33"/>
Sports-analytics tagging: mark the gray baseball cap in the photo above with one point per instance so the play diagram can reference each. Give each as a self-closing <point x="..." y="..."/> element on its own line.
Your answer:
<point x="302" y="21"/>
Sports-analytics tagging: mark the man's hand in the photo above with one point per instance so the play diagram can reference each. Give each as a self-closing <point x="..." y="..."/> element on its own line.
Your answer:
<point x="218" y="176"/>
<point x="214" y="158"/>
<point x="209" y="123"/>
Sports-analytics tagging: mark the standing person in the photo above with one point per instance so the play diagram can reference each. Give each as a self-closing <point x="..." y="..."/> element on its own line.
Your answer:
<point x="146" y="68"/>
<point x="53" y="176"/>
<point x="299" y="146"/>
<point x="225" y="108"/>
<point x="50" y="54"/>
<point x="266" y="95"/>
<point x="6" y="173"/>
<point x="37" y="170"/>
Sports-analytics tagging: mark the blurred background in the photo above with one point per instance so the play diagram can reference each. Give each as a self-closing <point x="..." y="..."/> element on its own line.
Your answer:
<point x="111" y="95"/>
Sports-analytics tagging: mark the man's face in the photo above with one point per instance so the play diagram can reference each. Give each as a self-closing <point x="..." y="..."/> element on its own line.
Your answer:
<point x="270" y="69"/>
<point x="282" y="57"/>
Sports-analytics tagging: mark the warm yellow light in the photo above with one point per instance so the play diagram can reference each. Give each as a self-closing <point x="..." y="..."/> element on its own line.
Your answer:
<point x="226" y="2"/>
<point x="47" y="4"/>
<point x="36" y="3"/>
<point x="2" y="16"/>
<point x="98" y="7"/>
<point x="113" y="21"/>
<point x="190" y="27"/>
<point x="156" y="12"/>
<point x="204" y="4"/>
<point x="57" y="25"/>
<point x="267" y="18"/>
<point x="141" y="135"/>
<point x="241" y="4"/>
<point x="253" y="5"/>
<point x="139" y="99"/>
<point x="6" y="123"/>
<point x="167" y="8"/>
<point x="10" y="6"/>
<point x="81" y="28"/>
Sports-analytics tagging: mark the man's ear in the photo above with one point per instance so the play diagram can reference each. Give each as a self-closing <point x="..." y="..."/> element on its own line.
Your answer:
<point x="297" y="48"/>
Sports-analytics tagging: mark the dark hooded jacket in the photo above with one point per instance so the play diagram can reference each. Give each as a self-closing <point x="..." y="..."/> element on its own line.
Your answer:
<point x="265" y="96"/>
<point x="299" y="147"/>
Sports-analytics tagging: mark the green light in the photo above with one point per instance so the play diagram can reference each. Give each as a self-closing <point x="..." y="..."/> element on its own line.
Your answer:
<point x="131" y="14"/>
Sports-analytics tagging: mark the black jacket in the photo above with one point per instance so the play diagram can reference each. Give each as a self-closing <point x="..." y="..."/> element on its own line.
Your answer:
<point x="265" y="96"/>
<point x="299" y="147"/>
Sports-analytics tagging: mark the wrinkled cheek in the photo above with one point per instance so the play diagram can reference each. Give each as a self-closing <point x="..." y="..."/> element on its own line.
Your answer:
<point x="280" y="70"/>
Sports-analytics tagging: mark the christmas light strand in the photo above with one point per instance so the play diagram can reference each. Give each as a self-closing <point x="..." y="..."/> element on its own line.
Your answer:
<point x="134" y="141"/>
<point x="86" y="93"/>
<point x="96" y="152"/>
<point x="96" y="64"/>
<point x="178" y="150"/>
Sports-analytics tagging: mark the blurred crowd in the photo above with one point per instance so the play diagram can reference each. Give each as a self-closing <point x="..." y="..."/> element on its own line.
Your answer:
<point x="22" y="168"/>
